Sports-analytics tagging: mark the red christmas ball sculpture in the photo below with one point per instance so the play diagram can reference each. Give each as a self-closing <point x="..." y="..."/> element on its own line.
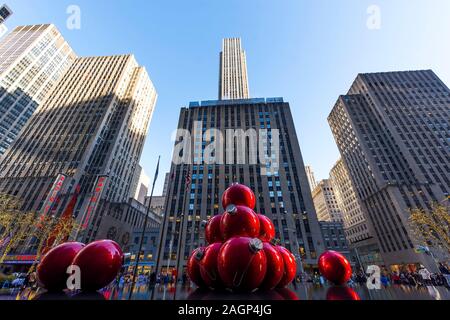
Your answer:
<point x="335" y="267"/>
<point x="239" y="221"/>
<point x="212" y="230"/>
<point x="208" y="266"/>
<point x="242" y="263"/>
<point x="193" y="267"/>
<point x="290" y="266"/>
<point x="266" y="228"/>
<point x="342" y="293"/>
<point x="52" y="270"/>
<point x="275" y="267"/>
<point x="238" y="194"/>
<point x="99" y="263"/>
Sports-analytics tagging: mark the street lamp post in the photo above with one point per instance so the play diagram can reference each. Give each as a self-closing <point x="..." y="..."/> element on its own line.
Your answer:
<point x="297" y="255"/>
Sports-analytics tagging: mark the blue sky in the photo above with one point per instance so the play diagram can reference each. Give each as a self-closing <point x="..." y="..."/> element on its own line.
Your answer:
<point x="308" y="52"/>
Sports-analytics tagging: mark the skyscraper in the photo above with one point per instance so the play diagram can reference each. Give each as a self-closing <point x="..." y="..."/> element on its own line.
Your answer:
<point x="311" y="178"/>
<point x="325" y="202"/>
<point x="140" y="185"/>
<point x="5" y="13"/>
<point x="197" y="186"/>
<point x="91" y="128"/>
<point x="32" y="60"/>
<point x="166" y="183"/>
<point x="233" y="81"/>
<point x="392" y="131"/>
<point x="355" y="223"/>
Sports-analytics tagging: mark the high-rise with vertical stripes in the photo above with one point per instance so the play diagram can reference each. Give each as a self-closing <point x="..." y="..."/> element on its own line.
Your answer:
<point x="392" y="130"/>
<point x="92" y="124"/>
<point x="196" y="184"/>
<point x="233" y="81"/>
<point x="32" y="60"/>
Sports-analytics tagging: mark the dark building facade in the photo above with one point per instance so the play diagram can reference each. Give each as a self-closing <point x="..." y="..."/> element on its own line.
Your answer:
<point x="282" y="190"/>
<point x="392" y="130"/>
<point x="334" y="239"/>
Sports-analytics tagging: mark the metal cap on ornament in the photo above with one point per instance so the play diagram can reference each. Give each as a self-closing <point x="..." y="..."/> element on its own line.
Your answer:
<point x="232" y="209"/>
<point x="256" y="245"/>
<point x="199" y="254"/>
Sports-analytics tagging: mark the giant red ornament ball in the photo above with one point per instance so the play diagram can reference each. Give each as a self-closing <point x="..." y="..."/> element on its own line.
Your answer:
<point x="335" y="267"/>
<point x="239" y="194"/>
<point x="242" y="263"/>
<point x="275" y="267"/>
<point x="239" y="221"/>
<point x="52" y="270"/>
<point x="212" y="230"/>
<point x="290" y="266"/>
<point x="193" y="267"/>
<point x="99" y="263"/>
<point x="266" y="228"/>
<point x="208" y="266"/>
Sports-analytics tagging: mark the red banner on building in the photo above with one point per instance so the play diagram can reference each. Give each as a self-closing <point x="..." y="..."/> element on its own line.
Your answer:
<point x="53" y="194"/>
<point x="95" y="198"/>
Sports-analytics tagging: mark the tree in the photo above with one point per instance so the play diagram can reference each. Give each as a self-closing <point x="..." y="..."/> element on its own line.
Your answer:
<point x="431" y="227"/>
<point x="20" y="229"/>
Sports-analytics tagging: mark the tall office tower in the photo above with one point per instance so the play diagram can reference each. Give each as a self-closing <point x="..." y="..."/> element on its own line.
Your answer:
<point x="140" y="185"/>
<point x="91" y="129"/>
<point x="166" y="183"/>
<point x="198" y="182"/>
<point x="356" y="229"/>
<point x="233" y="80"/>
<point x="5" y="13"/>
<point x="32" y="60"/>
<point x="157" y="204"/>
<point x="311" y="178"/>
<point x="325" y="202"/>
<point x="392" y="132"/>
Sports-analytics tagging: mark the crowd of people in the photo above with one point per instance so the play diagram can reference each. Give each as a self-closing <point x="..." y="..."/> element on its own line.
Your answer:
<point x="419" y="277"/>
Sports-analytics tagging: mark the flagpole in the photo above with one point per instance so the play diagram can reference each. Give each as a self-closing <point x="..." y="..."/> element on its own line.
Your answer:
<point x="133" y="282"/>
<point x="161" y="238"/>
<point x="180" y="234"/>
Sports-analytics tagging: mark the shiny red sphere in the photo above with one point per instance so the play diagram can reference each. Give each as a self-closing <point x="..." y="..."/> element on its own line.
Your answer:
<point x="242" y="263"/>
<point x="342" y="293"/>
<point x="239" y="195"/>
<point x="208" y="266"/>
<point x="239" y="221"/>
<point x="212" y="230"/>
<point x="266" y="228"/>
<point x="52" y="270"/>
<point x="335" y="267"/>
<point x="193" y="267"/>
<point x="290" y="267"/>
<point x="275" y="267"/>
<point x="99" y="263"/>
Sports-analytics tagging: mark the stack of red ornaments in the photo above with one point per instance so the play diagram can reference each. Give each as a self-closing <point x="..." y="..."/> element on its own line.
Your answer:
<point x="99" y="263"/>
<point x="241" y="255"/>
